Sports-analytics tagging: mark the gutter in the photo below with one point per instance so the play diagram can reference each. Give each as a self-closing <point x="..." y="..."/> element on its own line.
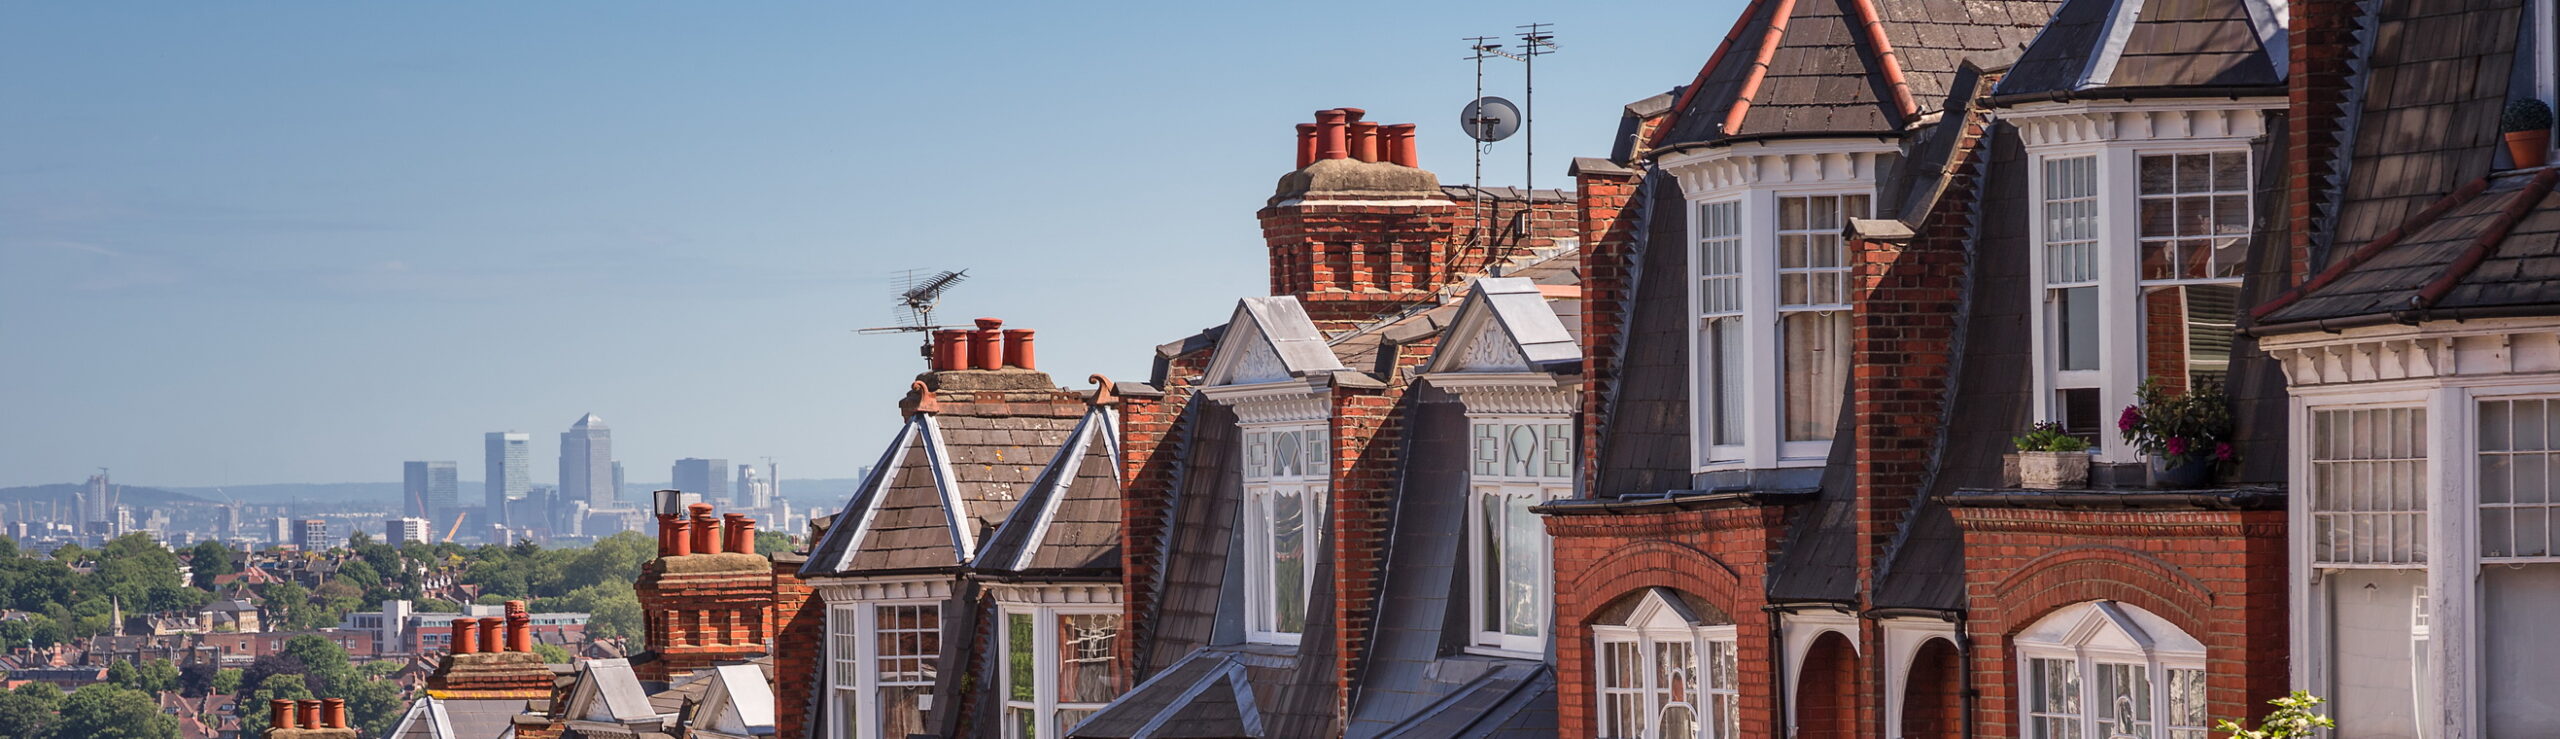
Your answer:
<point x="2408" y="316"/>
<point x="1701" y="501"/>
<point x="2145" y="92"/>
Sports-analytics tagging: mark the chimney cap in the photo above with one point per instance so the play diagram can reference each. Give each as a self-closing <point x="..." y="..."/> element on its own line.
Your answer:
<point x="990" y="324"/>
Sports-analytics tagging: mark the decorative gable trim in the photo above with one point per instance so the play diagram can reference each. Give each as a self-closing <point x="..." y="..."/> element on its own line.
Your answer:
<point x="1055" y="593"/>
<point x="1066" y="467"/>
<point x="2432" y="352"/>
<point x="882" y="589"/>
<point x="2072" y="123"/>
<point x="963" y="541"/>
<point x="1505" y="325"/>
<point x="1269" y="340"/>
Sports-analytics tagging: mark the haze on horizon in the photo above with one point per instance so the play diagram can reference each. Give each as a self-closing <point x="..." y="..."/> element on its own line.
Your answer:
<point x="250" y="244"/>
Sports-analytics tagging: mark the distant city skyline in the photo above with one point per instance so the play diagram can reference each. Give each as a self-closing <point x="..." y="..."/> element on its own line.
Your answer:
<point x="507" y="467"/>
<point x="586" y="463"/>
<point x="250" y="223"/>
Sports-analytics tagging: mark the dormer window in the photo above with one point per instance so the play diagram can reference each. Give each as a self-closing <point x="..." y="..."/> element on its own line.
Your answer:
<point x="1769" y="388"/>
<point x="1520" y="462"/>
<point x="2107" y="669"/>
<point x="1284" y="497"/>
<point x="2143" y="216"/>
<point x="1769" y="294"/>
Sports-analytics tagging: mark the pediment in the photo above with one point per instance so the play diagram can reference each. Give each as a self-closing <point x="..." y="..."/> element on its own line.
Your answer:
<point x="1505" y="326"/>
<point x="1269" y="340"/>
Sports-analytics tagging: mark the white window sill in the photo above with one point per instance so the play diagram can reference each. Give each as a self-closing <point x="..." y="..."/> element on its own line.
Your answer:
<point x="1488" y="651"/>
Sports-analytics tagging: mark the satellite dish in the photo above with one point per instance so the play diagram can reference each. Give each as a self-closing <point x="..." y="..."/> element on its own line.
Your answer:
<point x="1489" y="119"/>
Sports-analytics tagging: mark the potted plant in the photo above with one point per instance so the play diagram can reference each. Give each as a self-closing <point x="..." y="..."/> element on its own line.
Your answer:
<point x="2049" y="459"/>
<point x="2292" y="718"/>
<point x="2527" y="123"/>
<point x="2185" y="435"/>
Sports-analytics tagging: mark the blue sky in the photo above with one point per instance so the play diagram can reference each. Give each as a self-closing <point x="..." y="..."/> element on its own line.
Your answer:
<point x="265" y="242"/>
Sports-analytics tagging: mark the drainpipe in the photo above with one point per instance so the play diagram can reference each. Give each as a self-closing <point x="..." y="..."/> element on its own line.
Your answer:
<point x="1778" y="654"/>
<point x="1964" y="666"/>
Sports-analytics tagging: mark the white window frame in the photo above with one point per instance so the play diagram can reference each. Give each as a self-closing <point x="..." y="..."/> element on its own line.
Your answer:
<point x="2118" y="134"/>
<point x="2086" y="659"/>
<point x="1764" y="444"/>
<point x="1044" y="651"/>
<point x="1504" y="483"/>
<point x="1650" y="627"/>
<point x="1263" y="481"/>
<point x="864" y="628"/>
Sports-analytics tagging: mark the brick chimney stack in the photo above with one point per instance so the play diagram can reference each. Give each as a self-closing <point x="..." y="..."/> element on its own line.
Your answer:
<point x="708" y="597"/>
<point x="1360" y="232"/>
<point x="309" y="719"/>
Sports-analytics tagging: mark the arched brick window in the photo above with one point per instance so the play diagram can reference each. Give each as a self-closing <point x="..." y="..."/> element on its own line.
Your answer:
<point x="1666" y="669"/>
<point x="1933" y="694"/>
<point x="2103" y="670"/>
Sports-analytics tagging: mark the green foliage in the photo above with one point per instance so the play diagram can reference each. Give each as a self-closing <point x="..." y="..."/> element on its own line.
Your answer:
<point x="226" y="680"/>
<point x="29" y="711"/>
<point x="209" y="559"/>
<point x="2047" y="436"/>
<point x="148" y="677"/>
<point x="552" y="653"/>
<point x="2292" y="718"/>
<point x="253" y="707"/>
<point x="104" y="711"/>
<point x="2179" y="428"/>
<point x="2524" y="114"/>
<point x="435" y="605"/>
<point x="773" y="541"/>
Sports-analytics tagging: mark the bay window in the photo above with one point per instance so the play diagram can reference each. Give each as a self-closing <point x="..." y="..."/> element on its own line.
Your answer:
<point x="1284" y="494"/>
<point x="1519" y="462"/>
<point x="1058" y="668"/>
<point x="2369" y="523"/>
<point x="881" y="667"/>
<point x="2141" y="224"/>
<point x="2100" y="670"/>
<point x="1666" y="672"/>
<point x="1770" y="325"/>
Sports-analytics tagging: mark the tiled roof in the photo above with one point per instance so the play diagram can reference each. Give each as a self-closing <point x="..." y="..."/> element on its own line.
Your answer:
<point x="2197" y="45"/>
<point x="2493" y="245"/>
<point x="1073" y="510"/>
<point x="1819" y="70"/>
<point x="948" y="480"/>
<point x="1644" y="428"/>
<point x="908" y="525"/>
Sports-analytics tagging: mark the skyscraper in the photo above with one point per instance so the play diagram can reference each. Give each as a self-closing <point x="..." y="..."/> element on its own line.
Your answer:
<point x="312" y="535"/>
<point x="429" y="489"/>
<point x="753" y="491"/>
<point x="586" y="463"/>
<point x="508" y="474"/>
<point x="708" y="478"/>
<point x="400" y="531"/>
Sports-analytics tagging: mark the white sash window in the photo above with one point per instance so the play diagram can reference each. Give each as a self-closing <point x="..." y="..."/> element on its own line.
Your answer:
<point x="1285" y="482"/>
<point x="1519" y="462"/>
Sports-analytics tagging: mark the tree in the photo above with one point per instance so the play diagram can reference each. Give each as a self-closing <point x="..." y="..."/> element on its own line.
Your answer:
<point x="552" y="653"/>
<point x="29" y="711"/>
<point x="196" y="679"/>
<point x="103" y="711"/>
<point x="226" y="680"/>
<point x="148" y="677"/>
<point x="269" y="667"/>
<point x="209" y="559"/>
<point x="253" y="707"/>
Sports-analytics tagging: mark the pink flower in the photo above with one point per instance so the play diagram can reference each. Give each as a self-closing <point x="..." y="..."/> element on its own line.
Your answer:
<point x="2222" y="452"/>
<point x="2177" y="446"/>
<point x="2132" y="416"/>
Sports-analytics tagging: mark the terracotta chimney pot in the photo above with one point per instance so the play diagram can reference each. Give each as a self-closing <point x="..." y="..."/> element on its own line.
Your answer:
<point x="492" y="633"/>
<point x="280" y="714"/>
<point x="466" y="636"/>
<point x="680" y="532"/>
<point x="950" y="349"/>
<point x="519" y="627"/>
<point x="333" y="713"/>
<point x="1017" y="348"/>
<point x="310" y="710"/>
<point x="1399" y="139"/>
<point x="986" y="349"/>
<point x="1330" y="143"/>
<point x="706" y="530"/>
<point x="1352" y="115"/>
<point x="1306" y="144"/>
<point x="1364" y="141"/>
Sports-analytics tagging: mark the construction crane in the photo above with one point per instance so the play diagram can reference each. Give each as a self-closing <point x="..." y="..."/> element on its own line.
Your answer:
<point x="457" y="526"/>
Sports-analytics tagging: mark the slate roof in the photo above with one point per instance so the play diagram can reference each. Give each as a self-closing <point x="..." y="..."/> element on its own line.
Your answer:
<point x="2424" y="228"/>
<point x="1644" y="429"/>
<point x="1209" y="693"/>
<point x="1202" y="523"/>
<point x="1822" y="73"/>
<point x="441" y="718"/>
<point x="945" y="484"/>
<point x="2172" y="47"/>
<point x="1069" y="523"/>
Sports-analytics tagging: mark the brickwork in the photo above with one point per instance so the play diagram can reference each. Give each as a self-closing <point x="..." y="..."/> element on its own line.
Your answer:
<point x="800" y="632"/>
<point x="1149" y="454"/>
<point x="1720" y="555"/>
<point x="2322" y="46"/>
<point x="2218" y="575"/>
<point x="1608" y="237"/>
<point x="1365" y="430"/>
<point x="2164" y="338"/>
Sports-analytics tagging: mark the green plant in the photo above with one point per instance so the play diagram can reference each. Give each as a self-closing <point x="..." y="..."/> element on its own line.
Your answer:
<point x="2526" y="114"/>
<point x="2292" y="718"/>
<point x="2047" y="436"/>
<point x="2178" y="429"/>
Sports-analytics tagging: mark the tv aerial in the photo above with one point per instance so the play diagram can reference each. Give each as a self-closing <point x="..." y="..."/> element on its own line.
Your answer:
<point x="918" y="292"/>
<point x="1489" y="119"/>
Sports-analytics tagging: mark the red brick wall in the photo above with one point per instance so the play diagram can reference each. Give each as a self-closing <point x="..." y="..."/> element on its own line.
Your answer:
<point x="1147" y="456"/>
<point x="800" y="633"/>
<point x="2322" y="37"/>
<point x="1719" y="555"/>
<point x="1351" y="262"/>
<point x="1933" y="693"/>
<point x="1366" y="425"/>
<point x="2219" y="575"/>
<point x="1830" y="701"/>
<point x="1601" y="200"/>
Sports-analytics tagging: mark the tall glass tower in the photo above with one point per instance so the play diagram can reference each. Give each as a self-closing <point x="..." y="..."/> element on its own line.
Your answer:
<point x="586" y="464"/>
<point x="509" y="472"/>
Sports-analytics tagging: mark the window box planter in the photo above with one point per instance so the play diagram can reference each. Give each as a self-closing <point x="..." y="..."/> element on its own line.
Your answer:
<point x="2051" y="470"/>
